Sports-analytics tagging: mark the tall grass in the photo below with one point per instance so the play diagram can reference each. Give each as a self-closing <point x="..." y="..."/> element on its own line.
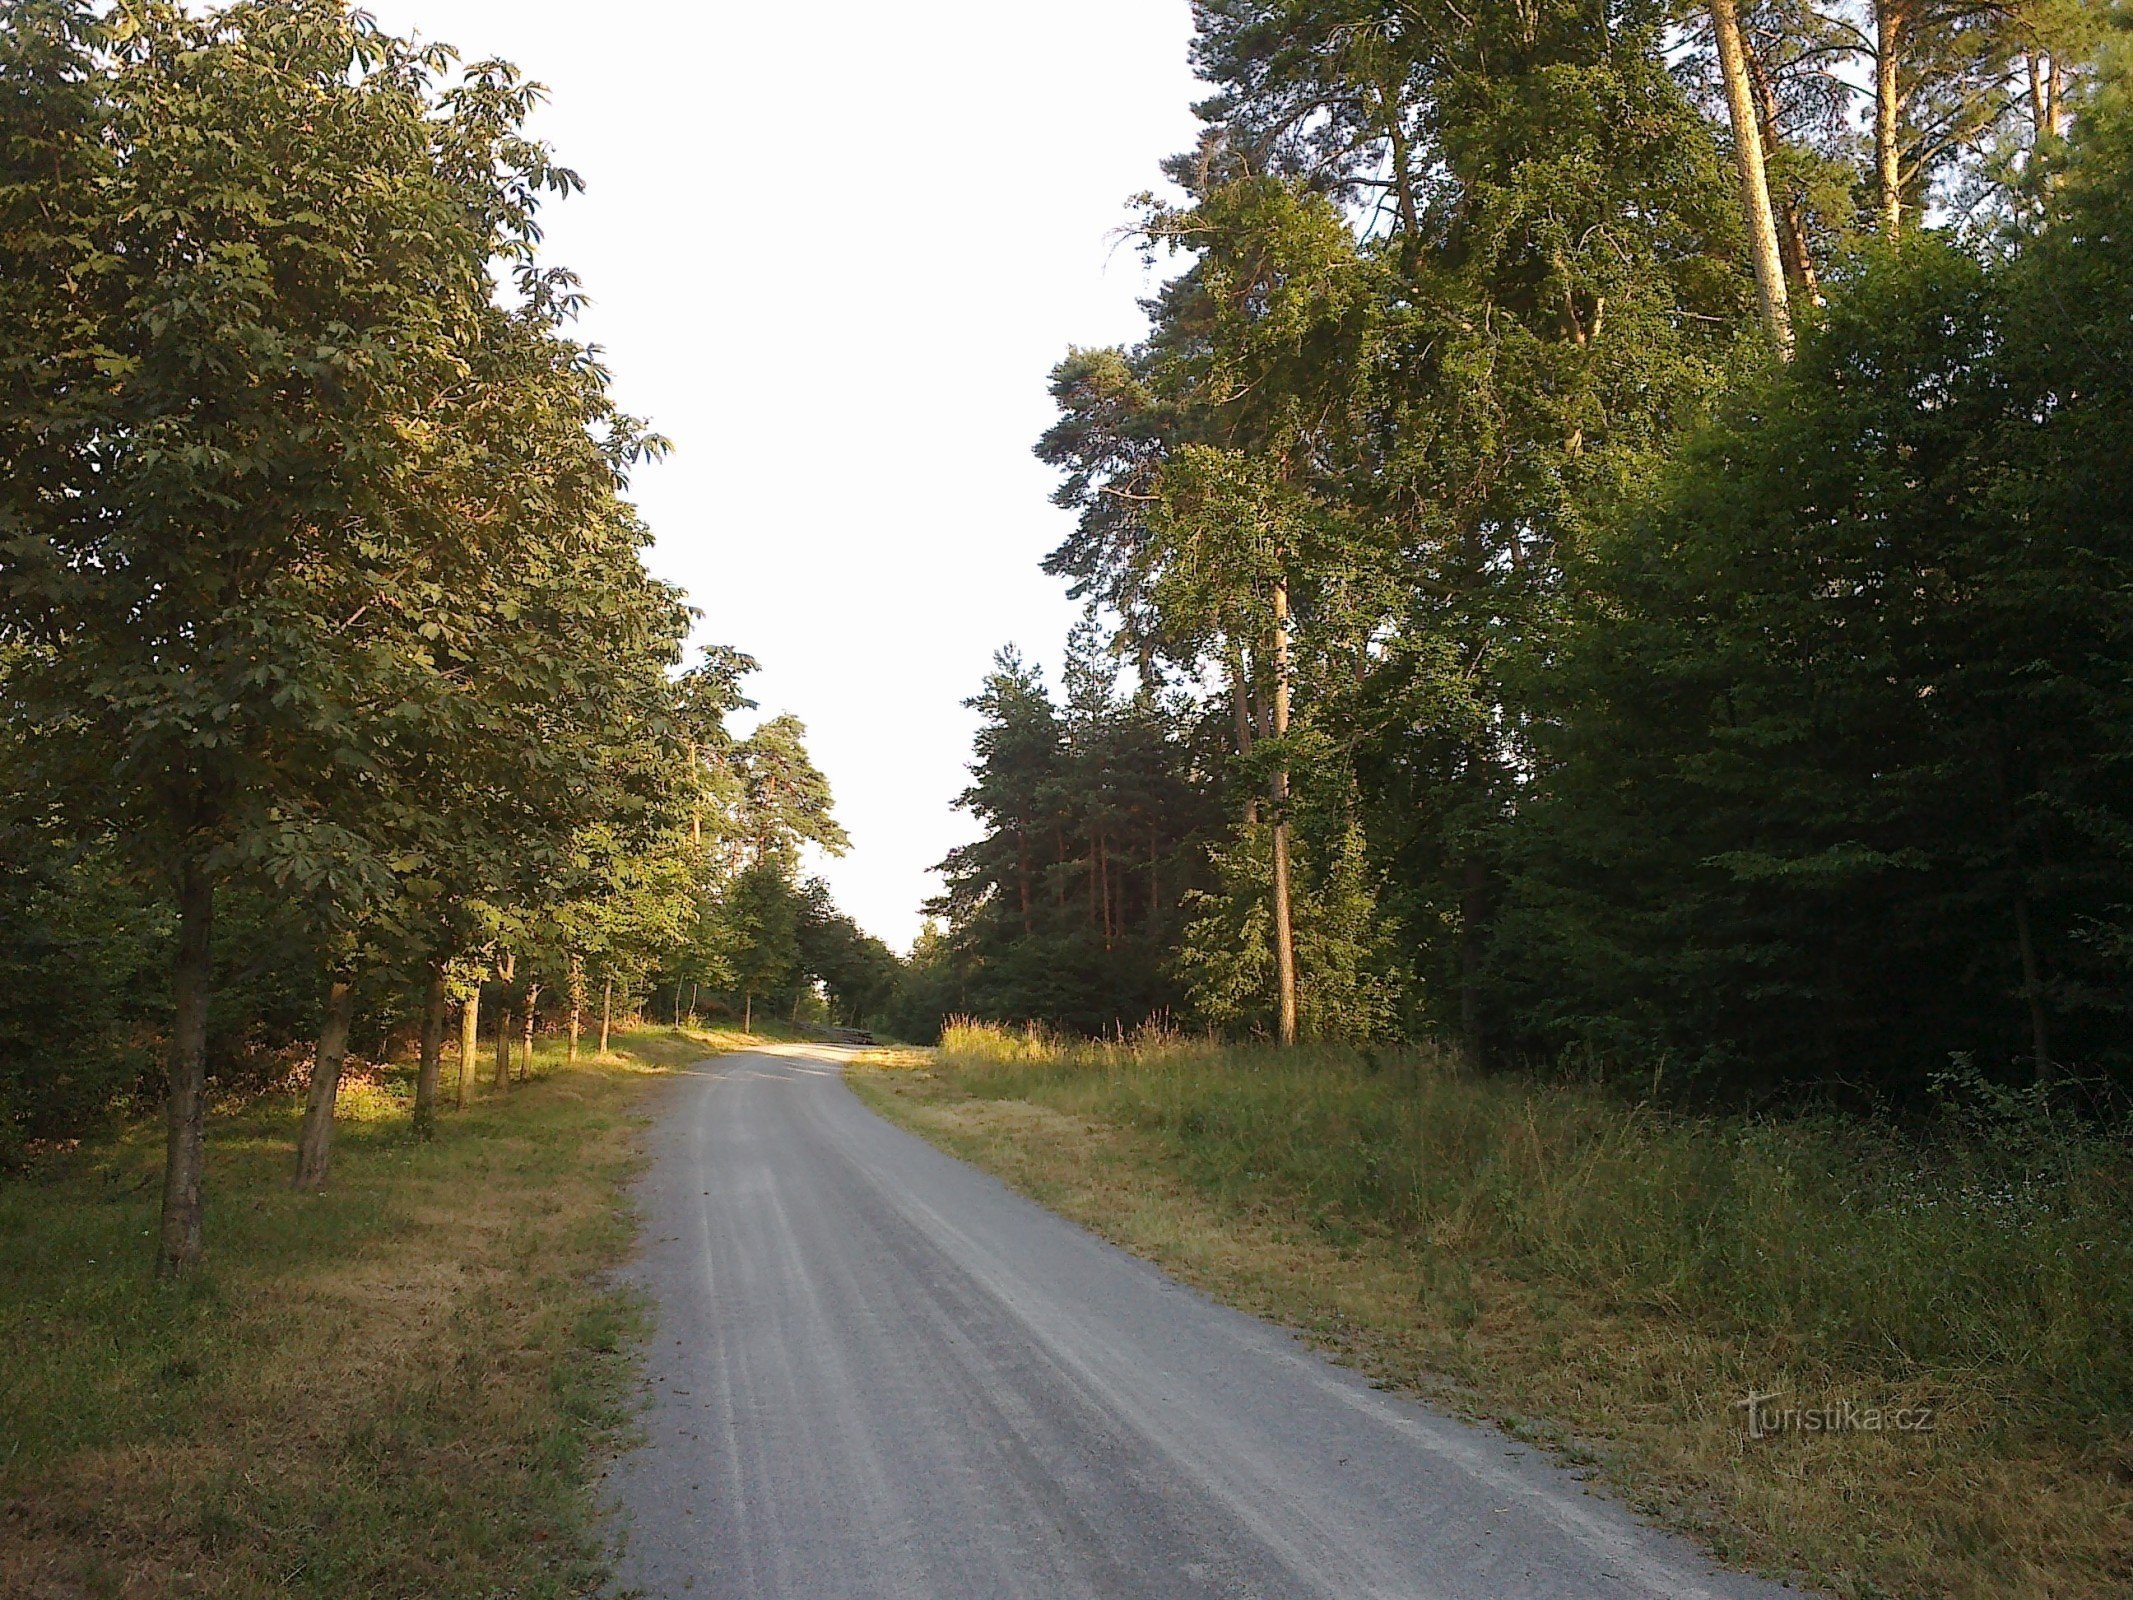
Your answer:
<point x="1998" y="1251"/>
<point x="395" y="1387"/>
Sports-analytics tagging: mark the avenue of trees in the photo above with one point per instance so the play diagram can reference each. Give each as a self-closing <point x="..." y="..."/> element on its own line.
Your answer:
<point x="336" y="703"/>
<point x="1620" y="540"/>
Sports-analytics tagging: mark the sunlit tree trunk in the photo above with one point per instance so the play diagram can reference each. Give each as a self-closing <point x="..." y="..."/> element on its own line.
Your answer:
<point x="432" y="1052"/>
<point x="506" y="970"/>
<point x="1890" y="17"/>
<point x="1403" y="178"/>
<point x="1284" y="933"/>
<point x="469" y="1038"/>
<point x="1793" y="243"/>
<point x="314" y="1145"/>
<point x="1754" y="180"/>
<point x="577" y="1002"/>
<point x="747" y="1012"/>
<point x="607" y="1009"/>
<point x="178" y="1248"/>
<point x="525" y="1060"/>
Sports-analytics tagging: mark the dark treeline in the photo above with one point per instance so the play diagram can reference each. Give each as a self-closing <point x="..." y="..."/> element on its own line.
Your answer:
<point x="1095" y="829"/>
<point x="1620" y="528"/>
<point x="335" y="697"/>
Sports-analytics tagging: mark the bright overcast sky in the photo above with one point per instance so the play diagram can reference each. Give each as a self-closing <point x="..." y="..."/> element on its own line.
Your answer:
<point x="833" y="250"/>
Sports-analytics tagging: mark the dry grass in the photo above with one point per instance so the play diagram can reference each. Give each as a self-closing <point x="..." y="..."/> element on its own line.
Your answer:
<point x="2016" y="1494"/>
<point x="400" y="1387"/>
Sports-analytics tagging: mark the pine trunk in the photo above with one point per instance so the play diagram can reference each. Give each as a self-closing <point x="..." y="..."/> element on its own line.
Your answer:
<point x="1792" y="234"/>
<point x="1278" y="792"/>
<point x="1754" y="180"/>
<point x="432" y="1053"/>
<point x="1889" y="20"/>
<point x="1103" y="886"/>
<point x="314" y="1145"/>
<point x="607" y="1010"/>
<point x="1022" y="879"/>
<point x="1472" y="891"/>
<point x="2033" y="987"/>
<point x="178" y="1249"/>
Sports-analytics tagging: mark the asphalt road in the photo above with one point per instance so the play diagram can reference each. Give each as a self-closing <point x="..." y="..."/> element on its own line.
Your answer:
<point x="878" y="1372"/>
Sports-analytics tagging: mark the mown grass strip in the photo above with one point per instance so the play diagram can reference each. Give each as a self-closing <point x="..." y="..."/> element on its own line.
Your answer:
<point x="1612" y="1281"/>
<point x="398" y="1387"/>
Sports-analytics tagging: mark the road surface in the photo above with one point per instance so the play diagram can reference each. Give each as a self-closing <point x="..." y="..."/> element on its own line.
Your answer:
<point x="878" y="1372"/>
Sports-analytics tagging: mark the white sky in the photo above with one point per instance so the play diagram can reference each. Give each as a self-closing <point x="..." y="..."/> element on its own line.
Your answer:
<point x="833" y="251"/>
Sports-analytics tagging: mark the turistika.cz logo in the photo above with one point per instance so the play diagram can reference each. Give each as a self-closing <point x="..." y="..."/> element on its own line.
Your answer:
<point x="1764" y="1420"/>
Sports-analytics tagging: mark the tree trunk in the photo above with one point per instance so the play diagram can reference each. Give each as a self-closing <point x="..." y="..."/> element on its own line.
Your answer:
<point x="314" y="1145"/>
<point x="677" y="1002"/>
<point x="1103" y="886"/>
<point x="1022" y="879"/>
<point x="178" y="1249"/>
<point x="469" y="1037"/>
<point x="1793" y="244"/>
<point x="607" y="1009"/>
<point x="1890" y="17"/>
<point x="747" y="1012"/>
<point x="525" y="1060"/>
<point x="1284" y="932"/>
<point x="1403" y="178"/>
<point x="1754" y="180"/>
<point x="577" y="1002"/>
<point x="503" y="1045"/>
<point x="1473" y="887"/>
<point x="696" y="801"/>
<point x="2033" y="987"/>
<point x="432" y="1053"/>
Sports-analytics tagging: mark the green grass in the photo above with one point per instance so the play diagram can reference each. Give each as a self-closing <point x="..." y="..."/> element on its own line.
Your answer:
<point x="399" y="1387"/>
<point x="1613" y="1278"/>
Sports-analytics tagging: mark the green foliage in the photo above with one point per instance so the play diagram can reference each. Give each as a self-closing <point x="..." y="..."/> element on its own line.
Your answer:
<point x="322" y="612"/>
<point x="1759" y="725"/>
<point x="1063" y="910"/>
<point x="1835" y="787"/>
<point x="1349" y="985"/>
<point x="79" y="1005"/>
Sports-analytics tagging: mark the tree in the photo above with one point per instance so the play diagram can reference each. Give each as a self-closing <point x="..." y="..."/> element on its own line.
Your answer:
<point x="314" y="569"/>
<point x="208" y="500"/>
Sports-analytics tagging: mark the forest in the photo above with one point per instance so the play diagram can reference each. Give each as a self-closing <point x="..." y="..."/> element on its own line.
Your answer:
<point x="337" y="706"/>
<point x="1614" y="552"/>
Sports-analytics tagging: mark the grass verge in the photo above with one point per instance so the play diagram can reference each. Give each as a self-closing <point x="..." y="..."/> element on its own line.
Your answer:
<point x="1611" y="1282"/>
<point x="399" y="1387"/>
